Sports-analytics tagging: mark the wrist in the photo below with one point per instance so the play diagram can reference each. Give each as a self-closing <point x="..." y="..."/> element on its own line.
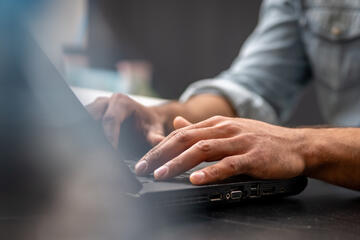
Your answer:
<point x="311" y="147"/>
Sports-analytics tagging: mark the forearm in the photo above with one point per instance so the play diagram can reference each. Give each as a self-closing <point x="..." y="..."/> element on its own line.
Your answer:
<point x="196" y="109"/>
<point x="332" y="155"/>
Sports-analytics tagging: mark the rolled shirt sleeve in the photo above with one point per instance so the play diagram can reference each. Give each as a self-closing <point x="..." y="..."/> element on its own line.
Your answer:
<point x="246" y="103"/>
<point x="266" y="79"/>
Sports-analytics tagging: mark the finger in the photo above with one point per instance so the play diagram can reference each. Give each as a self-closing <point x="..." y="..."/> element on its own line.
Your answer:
<point x="118" y="110"/>
<point x="98" y="107"/>
<point x="180" y="122"/>
<point x="158" y="155"/>
<point x="177" y="142"/>
<point x="207" y="123"/>
<point x="229" y="166"/>
<point x="155" y="138"/>
<point x="204" y="150"/>
<point x="210" y="122"/>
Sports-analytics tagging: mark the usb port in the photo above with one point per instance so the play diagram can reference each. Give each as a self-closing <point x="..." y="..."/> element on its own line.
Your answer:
<point x="268" y="190"/>
<point x="236" y="195"/>
<point x="215" y="197"/>
<point x="254" y="191"/>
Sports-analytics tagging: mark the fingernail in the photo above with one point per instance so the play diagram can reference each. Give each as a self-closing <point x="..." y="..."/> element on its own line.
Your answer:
<point x="197" y="177"/>
<point x="161" y="172"/>
<point x="141" y="167"/>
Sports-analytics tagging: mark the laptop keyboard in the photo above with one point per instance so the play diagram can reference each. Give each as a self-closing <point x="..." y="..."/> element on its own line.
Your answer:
<point x="184" y="178"/>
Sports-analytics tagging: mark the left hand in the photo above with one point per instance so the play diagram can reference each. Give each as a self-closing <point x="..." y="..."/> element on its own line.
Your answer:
<point x="241" y="146"/>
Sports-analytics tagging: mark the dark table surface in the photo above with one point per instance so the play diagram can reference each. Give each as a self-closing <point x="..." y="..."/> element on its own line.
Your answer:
<point x="322" y="211"/>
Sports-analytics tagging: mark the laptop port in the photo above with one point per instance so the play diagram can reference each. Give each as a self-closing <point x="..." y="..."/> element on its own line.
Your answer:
<point x="227" y="196"/>
<point x="215" y="197"/>
<point x="236" y="195"/>
<point x="268" y="190"/>
<point x="254" y="191"/>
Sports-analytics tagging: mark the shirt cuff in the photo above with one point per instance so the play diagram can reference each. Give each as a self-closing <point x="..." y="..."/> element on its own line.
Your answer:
<point x="246" y="103"/>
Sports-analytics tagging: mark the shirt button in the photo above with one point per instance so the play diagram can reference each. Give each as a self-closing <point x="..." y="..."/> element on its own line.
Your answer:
<point x="336" y="31"/>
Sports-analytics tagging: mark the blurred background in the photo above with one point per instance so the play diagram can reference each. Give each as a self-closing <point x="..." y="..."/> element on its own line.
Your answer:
<point x="153" y="48"/>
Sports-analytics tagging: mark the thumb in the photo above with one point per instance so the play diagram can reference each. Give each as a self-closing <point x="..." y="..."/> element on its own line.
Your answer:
<point x="155" y="138"/>
<point x="155" y="134"/>
<point x="180" y="122"/>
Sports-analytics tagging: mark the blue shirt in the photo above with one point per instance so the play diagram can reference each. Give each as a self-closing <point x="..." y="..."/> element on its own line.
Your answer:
<point x="294" y="43"/>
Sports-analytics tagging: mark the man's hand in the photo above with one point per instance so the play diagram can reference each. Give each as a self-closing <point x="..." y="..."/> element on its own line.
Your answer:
<point x="241" y="146"/>
<point x="151" y="123"/>
<point x="114" y="111"/>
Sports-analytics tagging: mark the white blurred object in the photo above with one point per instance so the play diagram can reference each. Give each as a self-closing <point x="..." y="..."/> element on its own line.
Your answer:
<point x="87" y="96"/>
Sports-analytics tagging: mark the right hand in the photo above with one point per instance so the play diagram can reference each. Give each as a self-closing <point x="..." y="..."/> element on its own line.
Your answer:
<point x="120" y="110"/>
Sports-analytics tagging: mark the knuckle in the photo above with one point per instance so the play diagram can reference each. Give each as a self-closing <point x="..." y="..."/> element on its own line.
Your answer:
<point x="146" y="157"/>
<point x="109" y="118"/>
<point x="204" y="146"/>
<point x="213" y="172"/>
<point x="217" y="118"/>
<point x="233" y="165"/>
<point x="154" y="154"/>
<point x="170" y="135"/>
<point x="182" y="136"/>
<point x="229" y="127"/>
<point x="121" y="98"/>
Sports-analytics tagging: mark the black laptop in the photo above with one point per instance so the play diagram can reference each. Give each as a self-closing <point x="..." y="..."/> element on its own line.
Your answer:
<point x="61" y="110"/>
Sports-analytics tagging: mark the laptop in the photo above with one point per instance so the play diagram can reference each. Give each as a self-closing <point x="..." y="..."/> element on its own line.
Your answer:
<point x="61" y="112"/>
